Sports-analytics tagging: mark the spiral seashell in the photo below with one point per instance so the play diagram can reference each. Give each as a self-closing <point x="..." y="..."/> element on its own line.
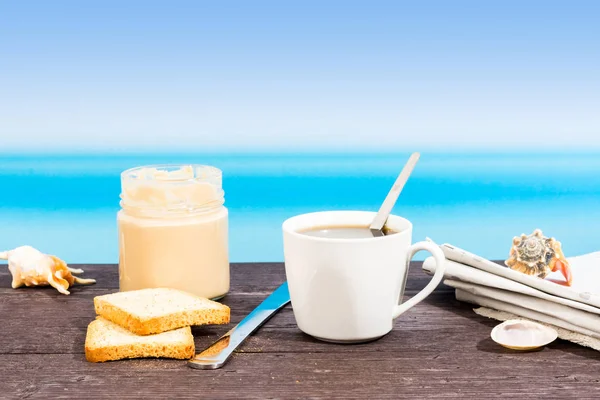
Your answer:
<point x="538" y="255"/>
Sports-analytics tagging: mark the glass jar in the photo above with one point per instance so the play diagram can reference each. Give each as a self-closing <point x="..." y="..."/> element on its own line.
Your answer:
<point x="173" y="230"/>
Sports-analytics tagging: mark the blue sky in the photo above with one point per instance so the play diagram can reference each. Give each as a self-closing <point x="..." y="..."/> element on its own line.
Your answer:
<point x="138" y="75"/>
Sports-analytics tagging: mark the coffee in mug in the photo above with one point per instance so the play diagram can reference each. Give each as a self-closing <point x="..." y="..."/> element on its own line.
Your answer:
<point x="343" y="232"/>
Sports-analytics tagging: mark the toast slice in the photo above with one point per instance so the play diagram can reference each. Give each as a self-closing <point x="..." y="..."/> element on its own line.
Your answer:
<point x="149" y="311"/>
<point x="106" y="341"/>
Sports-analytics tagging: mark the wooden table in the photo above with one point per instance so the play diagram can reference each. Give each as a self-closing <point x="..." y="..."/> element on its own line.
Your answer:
<point x="439" y="349"/>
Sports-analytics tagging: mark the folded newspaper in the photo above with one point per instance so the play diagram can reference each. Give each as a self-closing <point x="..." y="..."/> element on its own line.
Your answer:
<point x="574" y="311"/>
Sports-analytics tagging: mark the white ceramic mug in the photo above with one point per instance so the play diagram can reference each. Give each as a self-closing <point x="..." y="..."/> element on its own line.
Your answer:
<point x="348" y="290"/>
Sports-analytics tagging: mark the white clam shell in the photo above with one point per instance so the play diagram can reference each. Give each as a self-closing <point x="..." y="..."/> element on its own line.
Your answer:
<point x="519" y="334"/>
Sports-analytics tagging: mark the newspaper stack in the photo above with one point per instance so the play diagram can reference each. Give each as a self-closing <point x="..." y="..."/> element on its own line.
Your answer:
<point x="503" y="294"/>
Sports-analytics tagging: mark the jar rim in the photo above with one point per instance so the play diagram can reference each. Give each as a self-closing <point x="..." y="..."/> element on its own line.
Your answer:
<point x="172" y="188"/>
<point x="212" y="172"/>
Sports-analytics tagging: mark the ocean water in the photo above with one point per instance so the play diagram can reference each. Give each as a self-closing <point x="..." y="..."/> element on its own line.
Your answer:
<point x="66" y="204"/>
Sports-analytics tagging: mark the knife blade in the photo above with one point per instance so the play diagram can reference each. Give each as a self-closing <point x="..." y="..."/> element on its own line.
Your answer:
<point x="217" y="354"/>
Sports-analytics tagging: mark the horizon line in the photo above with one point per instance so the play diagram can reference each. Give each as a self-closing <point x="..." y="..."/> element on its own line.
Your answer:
<point x="299" y="151"/>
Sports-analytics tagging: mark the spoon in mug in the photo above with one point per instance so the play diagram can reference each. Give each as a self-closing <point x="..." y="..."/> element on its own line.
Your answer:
<point x="380" y="219"/>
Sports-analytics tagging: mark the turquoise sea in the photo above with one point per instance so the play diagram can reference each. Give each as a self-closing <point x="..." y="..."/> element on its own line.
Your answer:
<point x="66" y="204"/>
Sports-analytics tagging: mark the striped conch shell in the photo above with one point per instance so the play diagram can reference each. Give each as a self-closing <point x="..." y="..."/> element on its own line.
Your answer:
<point x="30" y="267"/>
<point x="538" y="255"/>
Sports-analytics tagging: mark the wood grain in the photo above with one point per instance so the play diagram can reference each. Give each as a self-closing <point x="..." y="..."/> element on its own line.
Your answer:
<point x="439" y="349"/>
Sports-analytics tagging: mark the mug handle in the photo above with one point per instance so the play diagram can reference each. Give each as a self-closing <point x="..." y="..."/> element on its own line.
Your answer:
<point x="440" y="268"/>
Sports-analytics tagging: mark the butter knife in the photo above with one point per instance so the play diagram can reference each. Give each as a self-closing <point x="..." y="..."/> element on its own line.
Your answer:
<point x="217" y="354"/>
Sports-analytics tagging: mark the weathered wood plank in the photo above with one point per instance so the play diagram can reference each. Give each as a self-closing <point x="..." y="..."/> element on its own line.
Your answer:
<point x="440" y="349"/>
<point x="255" y="278"/>
<point x="68" y="331"/>
<point x="476" y="374"/>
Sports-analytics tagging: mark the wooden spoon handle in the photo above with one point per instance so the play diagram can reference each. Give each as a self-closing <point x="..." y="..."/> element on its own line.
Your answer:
<point x="392" y="196"/>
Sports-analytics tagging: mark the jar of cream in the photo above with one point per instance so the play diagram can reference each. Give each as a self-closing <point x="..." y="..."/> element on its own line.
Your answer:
<point x="173" y="230"/>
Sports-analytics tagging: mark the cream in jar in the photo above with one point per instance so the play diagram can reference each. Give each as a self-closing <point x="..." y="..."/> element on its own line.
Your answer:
<point x="173" y="230"/>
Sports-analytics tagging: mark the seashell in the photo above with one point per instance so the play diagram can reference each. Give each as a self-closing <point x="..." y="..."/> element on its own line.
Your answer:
<point x="523" y="335"/>
<point x="30" y="267"/>
<point x="538" y="255"/>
